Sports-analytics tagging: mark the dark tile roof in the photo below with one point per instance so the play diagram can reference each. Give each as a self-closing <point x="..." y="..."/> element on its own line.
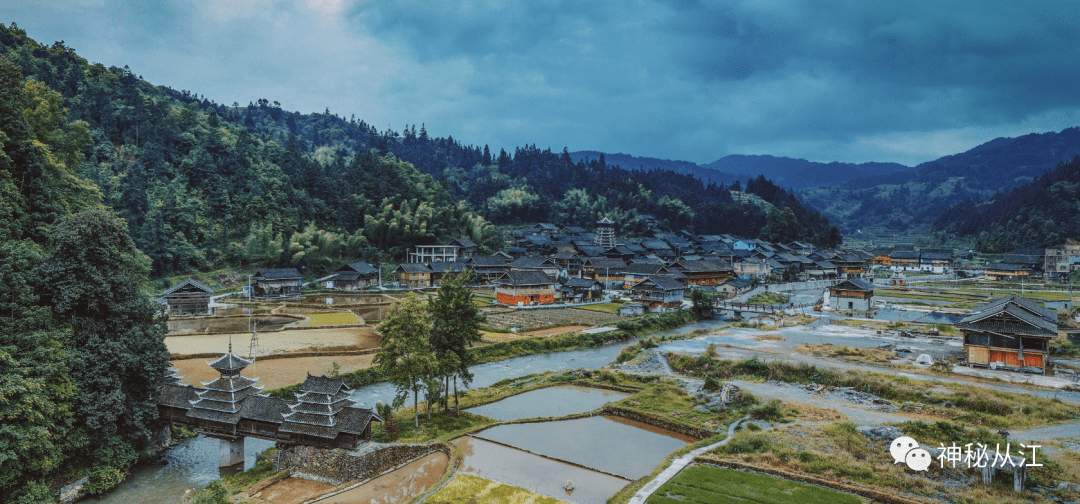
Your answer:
<point x="264" y="409"/>
<point x="655" y="245"/>
<point x="278" y="274"/>
<point x="323" y="384"/>
<point x="413" y="268"/>
<point x="643" y="269"/>
<point x="345" y="276"/>
<point x="490" y="261"/>
<point x="190" y="281"/>
<point x="904" y="254"/>
<point x="532" y="262"/>
<point x="936" y="254"/>
<point x="525" y="278"/>
<point x="446" y="267"/>
<point x="582" y="283"/>
<point x="360" y="267"/>
<point x="1008" y="318"/>
<point x="857" y="283"/>
<point x="1006" y="267"/>
<point x="231" y="383"/>
<point x="600" y="263"/>
<point x="230" y="363"/>
<point x="177" y="396"/>
<point x="463" y="242"/>
<point x="1021" y="301"/>
<point x="665" y="283"/>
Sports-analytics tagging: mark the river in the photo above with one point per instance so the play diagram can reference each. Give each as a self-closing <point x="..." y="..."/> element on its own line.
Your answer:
<point x="193" y="463"/>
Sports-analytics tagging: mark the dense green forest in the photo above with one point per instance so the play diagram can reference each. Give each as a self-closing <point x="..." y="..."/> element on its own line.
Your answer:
<point x="204" y="185"/>
<point x="81" y="347"/>
<point x="1041" y="213"/>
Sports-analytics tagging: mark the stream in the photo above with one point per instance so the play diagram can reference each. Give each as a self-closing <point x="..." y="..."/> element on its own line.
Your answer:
<point x="193" y="463"/>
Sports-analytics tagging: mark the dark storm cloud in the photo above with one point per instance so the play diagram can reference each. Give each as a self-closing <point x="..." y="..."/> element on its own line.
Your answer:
<point x="852" y="81"/>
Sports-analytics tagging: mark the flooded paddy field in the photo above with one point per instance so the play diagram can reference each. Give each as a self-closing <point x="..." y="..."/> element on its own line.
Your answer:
<point x="615" y="446"/>
<point x="227" y="324"/>
<point x="535" y="473"/>
<point x="398" y="486"/>
<point x="786" y="338"/>
<point x="548" y="402"/>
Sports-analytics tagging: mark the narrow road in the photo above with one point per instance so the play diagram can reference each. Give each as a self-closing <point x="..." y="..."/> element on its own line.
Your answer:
<point x="678" y="464"/>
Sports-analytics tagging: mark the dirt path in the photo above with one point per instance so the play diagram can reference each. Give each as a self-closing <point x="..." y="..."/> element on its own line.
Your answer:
<point x="399" y="486"/>
<point x="275" y="373"/>
<point x="289" y="340"/>
<point x="290" y="490"/>
<point x="555" y="331"/>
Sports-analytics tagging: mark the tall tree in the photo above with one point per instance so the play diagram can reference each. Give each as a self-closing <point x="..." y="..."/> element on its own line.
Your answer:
<point x="92" y="279"/>
<point x="456" y="323"/>
<point x="405" y="354"/>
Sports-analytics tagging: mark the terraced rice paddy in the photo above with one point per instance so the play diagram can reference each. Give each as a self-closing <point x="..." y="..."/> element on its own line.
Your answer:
<point x="325" y="319"/>
<point x="553" y="316"/>
<point x="714" y="485"/>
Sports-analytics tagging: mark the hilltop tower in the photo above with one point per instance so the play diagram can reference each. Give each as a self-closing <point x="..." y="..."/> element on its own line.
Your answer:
<point x="605" y="233"/>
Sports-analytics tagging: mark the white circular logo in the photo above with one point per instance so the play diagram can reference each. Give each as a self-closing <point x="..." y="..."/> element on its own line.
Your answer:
<point x="919" y="459"/>
<point x="900" y="447"/>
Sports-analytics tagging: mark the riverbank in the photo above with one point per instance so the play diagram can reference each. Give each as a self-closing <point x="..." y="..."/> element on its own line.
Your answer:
<point x="627" y="330"/>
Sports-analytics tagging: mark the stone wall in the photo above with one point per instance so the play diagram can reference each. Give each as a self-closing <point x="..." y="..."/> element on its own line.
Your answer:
<point x="340" y="466"/>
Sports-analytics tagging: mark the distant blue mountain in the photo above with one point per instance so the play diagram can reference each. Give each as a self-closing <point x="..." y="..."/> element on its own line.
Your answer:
<point x="785" y="172"/>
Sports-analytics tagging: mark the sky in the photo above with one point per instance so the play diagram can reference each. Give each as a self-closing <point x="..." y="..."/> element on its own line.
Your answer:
<point x="850" y="81"/>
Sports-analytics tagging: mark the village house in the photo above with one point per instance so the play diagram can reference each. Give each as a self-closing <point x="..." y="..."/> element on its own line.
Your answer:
<point x="936" y="261"/>
<point x="434" y="253"/>
<point x="568" y="262"/>
<point x="851" y="294"/>
<point x="704" y="273"/>
<point x="905" y="260"/>
<point x="440" y="270"/>
<point x="187" y="298"/>
<point x="488" y="268"/>
<point x="413" y="275"/>
<point x="882" y="257"/>
<point x="1061" y="260"/>
<point x="735" y="286"/>
<point x="1012" y="333"/>
<point x="1007" y="271"/>
<point x="276" y="283"/>
<point x="637" y="272"/>
<point x="541" y="264"/>
<point x="582" y="290"/>
<point x="752" y="267"/>
<point x="658" y="294"/>
<point x="353" y="276"/>
<point x="610" y="272"/>
<point x="523" y="288"/>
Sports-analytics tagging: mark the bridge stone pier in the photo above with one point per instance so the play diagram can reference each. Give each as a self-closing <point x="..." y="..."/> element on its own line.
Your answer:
<point x="232" y="452"/>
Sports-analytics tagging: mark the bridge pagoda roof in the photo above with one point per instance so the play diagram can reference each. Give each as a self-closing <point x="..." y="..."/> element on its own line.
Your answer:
<point x="230" y="363"/>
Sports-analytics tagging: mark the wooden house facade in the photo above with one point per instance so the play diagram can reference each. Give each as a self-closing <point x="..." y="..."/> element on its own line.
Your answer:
<point x="276" y="283"/>
<point x="353" y="276"/>
<point x="1012" y="333"/>
<point x="523" y="288"/>
<point x="187" y="298"/>
<point x="582" y="290"/>
<point x="413" y="275"/>
<point x="852" y="294"/>
<point x="658" y="294"/>
<point x="1007" y="271"/>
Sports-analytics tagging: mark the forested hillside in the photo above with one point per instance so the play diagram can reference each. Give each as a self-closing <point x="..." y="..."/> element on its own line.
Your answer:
<point x="81" y="347"/>
<point x="203" y="185"/>
<point x="919" y="197"/>
<point x="1041" y="213"/>
<point x="800" y="173"/>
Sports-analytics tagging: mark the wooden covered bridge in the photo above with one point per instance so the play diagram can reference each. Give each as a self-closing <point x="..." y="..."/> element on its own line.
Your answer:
<point x="231" y="408"/>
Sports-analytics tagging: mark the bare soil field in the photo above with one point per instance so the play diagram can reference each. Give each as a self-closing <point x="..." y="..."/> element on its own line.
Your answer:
<point x="555" y="331"/>
<point x="275" y="373"/>
<point x="286" y="341"/>
<point x="399" y="486"/>
<point x="554" y="316"/>
<point x="291" y="490"/>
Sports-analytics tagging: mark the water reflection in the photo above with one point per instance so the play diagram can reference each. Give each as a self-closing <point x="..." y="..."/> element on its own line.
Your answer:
<point x="600" y="443"/>
<point x="191" y="464"/>
<point x="548" y="402"/>
<point x="535" y="473"/>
